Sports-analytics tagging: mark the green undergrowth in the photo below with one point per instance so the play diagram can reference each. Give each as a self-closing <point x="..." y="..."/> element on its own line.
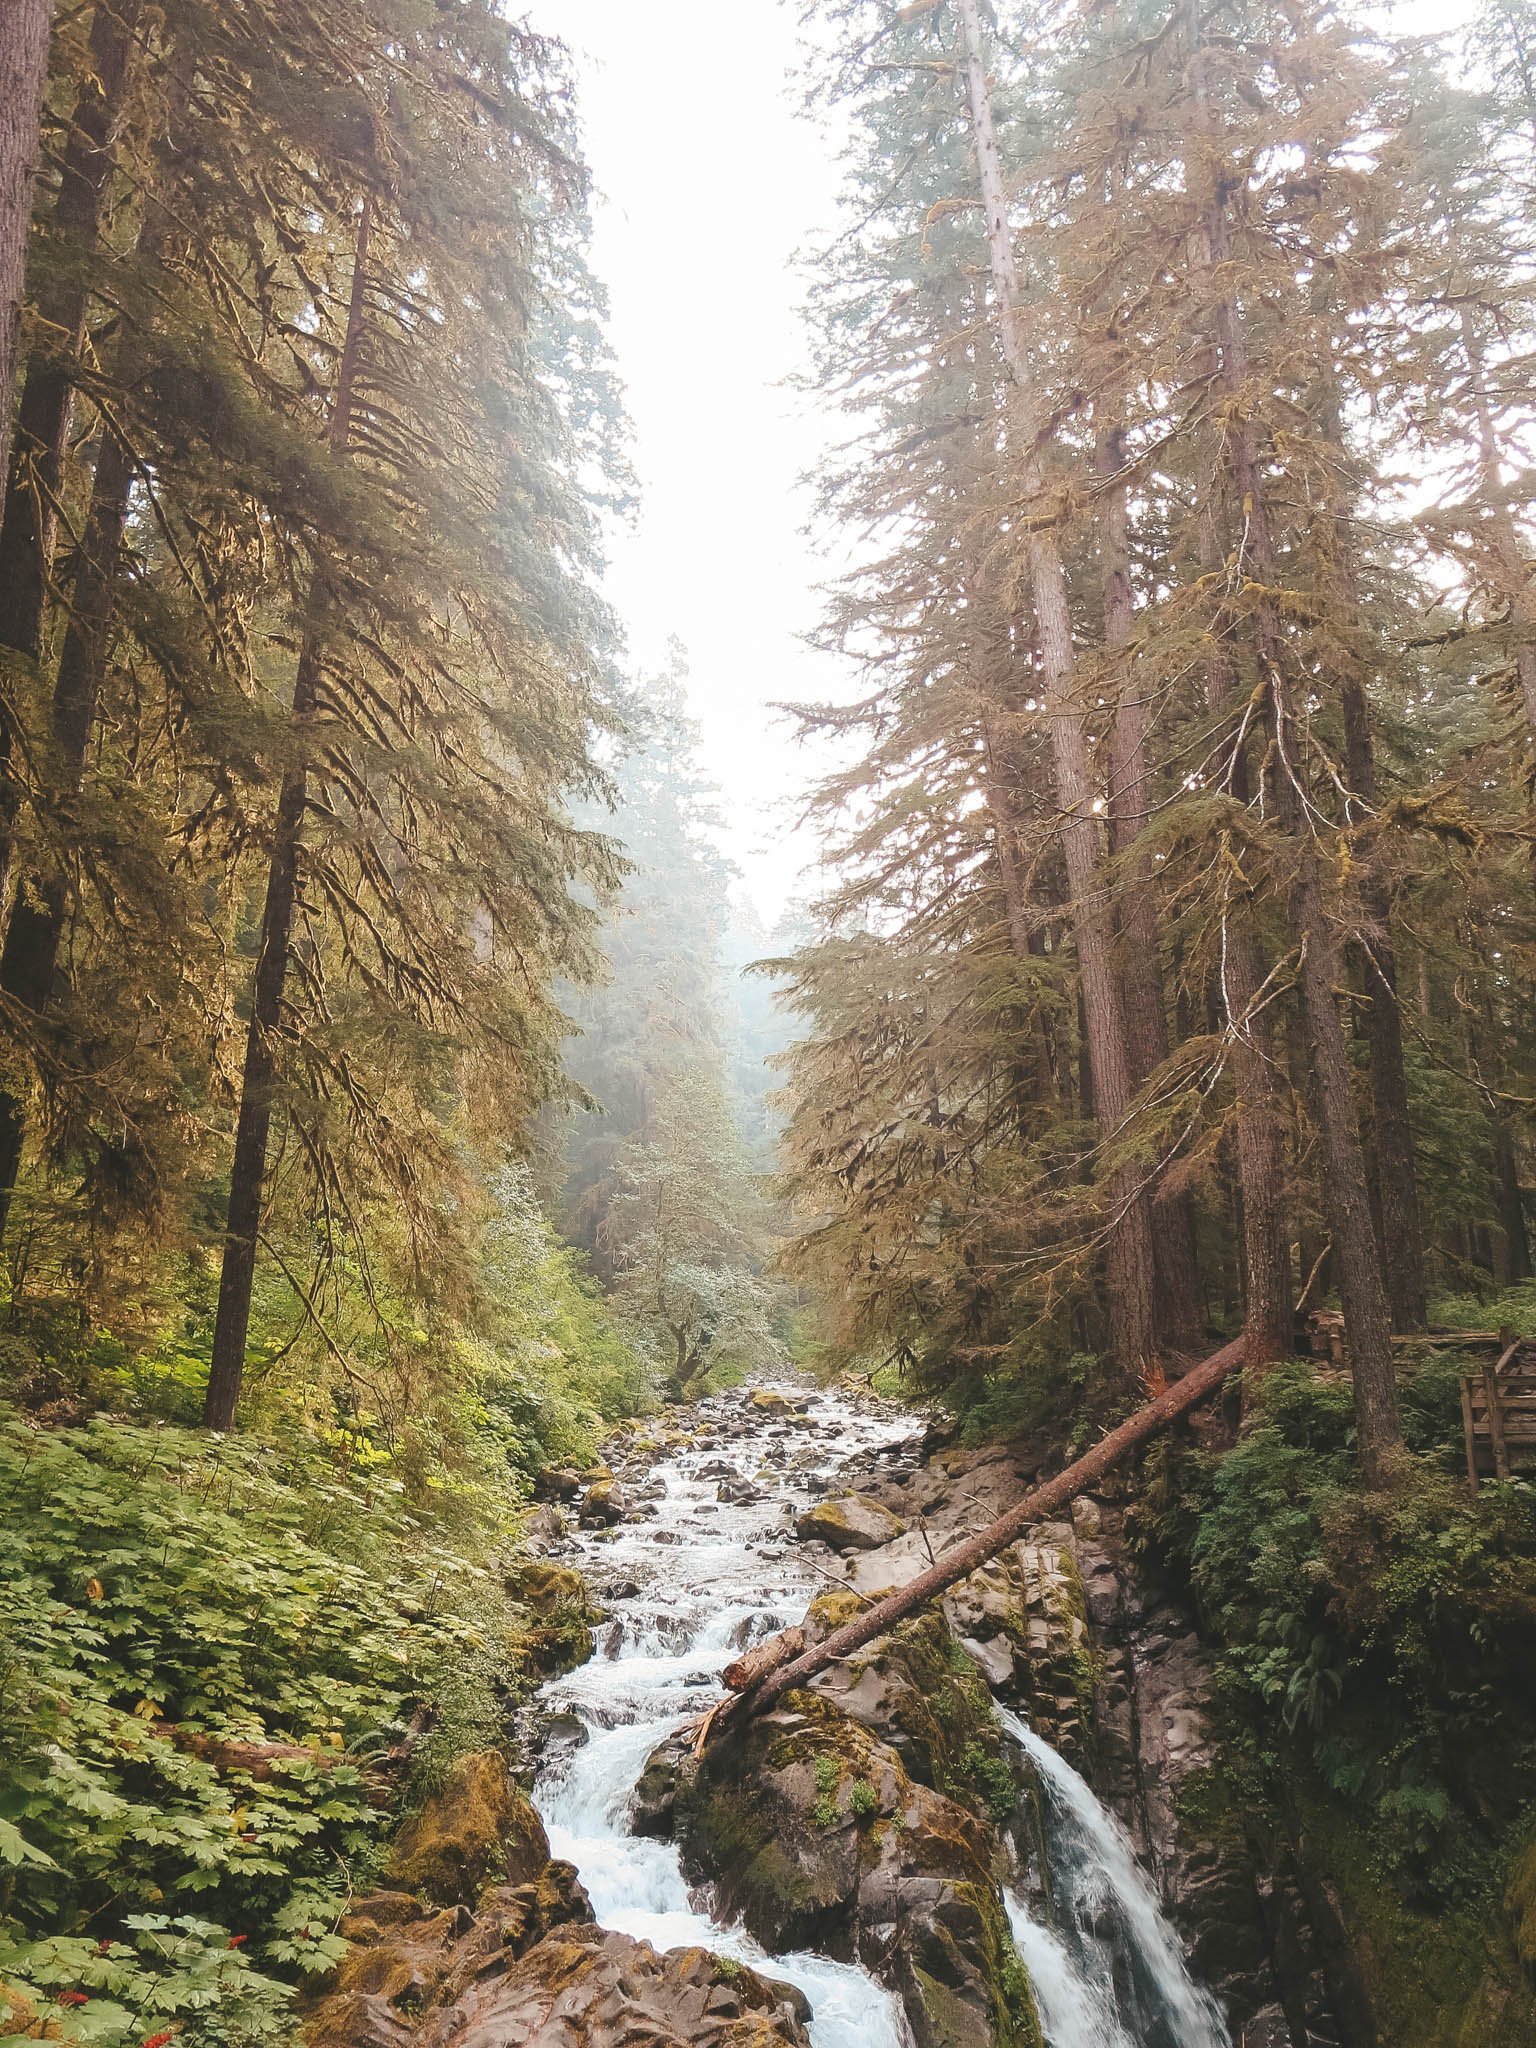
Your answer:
<point x="164" y="1599"/>
<point x="1376" y="1677"/>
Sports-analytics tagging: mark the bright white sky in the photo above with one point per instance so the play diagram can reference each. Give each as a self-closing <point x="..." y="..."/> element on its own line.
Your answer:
<point x="710" y="187"/>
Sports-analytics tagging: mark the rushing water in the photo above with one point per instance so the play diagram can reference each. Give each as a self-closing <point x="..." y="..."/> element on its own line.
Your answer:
<point x="1115" y="1976"/>
<point x="691" y="1585"/>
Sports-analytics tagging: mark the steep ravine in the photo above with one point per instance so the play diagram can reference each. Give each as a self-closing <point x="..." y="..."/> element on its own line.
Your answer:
<point x="994" y="1828"/>
<point x="890" y="1847"/>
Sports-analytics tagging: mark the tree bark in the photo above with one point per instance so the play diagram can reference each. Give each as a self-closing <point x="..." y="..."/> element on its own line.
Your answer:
<point x="253" y="1124"/>
<point x="24" y="30"/>
<point x="1130" y="1260"/>
<point x="1396" y="1178"/>
<point x="1357" y="1262"/>
<point x="35" y="477"/>
<point x="29" y="958"/>
<point x="1180" y="1317"/>
<point x="790" y="1666"/>
<point x="1515" y="575"/>
<point x="1259" y="1136"/>
<point x="1258" y="1116"/>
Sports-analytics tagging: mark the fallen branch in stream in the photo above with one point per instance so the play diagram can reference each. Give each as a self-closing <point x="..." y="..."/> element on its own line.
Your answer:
<point x="774" y="1667"/>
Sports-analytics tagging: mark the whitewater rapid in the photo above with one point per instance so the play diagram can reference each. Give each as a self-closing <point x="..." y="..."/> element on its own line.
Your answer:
<point x="691" y="1585"/>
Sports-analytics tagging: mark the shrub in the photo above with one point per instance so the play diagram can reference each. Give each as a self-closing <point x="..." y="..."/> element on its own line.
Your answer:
<point x="162" y="1598"/>
<point x="1388" y="1635"/>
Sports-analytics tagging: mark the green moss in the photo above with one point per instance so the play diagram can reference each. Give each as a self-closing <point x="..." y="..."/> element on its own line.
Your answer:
<point x="836" y="1609"/>
<point x="992" y="1781"/>
<point x="1520" y="1902"/>
<point x="478" y="1826"/>
<point x="1014" y="2021"/>
<point x="863" y="1801"/>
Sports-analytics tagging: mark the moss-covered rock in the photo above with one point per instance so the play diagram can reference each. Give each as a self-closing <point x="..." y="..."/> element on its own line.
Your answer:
<point x="816" y="1833"/>
<point x="917" y="1690"/>
<point x="478" y="1825"/>
<point x="602" y="1504"/>
<point x="768" y="1401"/>
<point x="854" y="1521"/>
<point x="1023" y="1618"/>
<point x="547" y="1587"/>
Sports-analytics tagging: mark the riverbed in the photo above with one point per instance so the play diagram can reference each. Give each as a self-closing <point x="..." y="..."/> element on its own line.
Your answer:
<point x="705" y="1564"/>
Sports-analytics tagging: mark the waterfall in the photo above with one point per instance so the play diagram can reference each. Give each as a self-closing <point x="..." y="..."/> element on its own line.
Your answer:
<point x="1111" y="1915"/>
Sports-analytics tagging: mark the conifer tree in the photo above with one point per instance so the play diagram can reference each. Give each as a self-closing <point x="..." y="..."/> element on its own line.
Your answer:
<point x="23" y="68"/>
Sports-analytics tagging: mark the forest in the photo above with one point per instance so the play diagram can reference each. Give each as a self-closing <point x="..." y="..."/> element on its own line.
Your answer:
<point x="429" y="1179"/>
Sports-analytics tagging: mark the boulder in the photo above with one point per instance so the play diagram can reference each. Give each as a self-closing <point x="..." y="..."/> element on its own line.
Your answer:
<point x="853" y="1521"/>
<point x="769" y="1401"/>
<point x="587" y="1987"/>
<point x="822" y="1823"/>
<point x="544" y="1528"/>
<point x="547" y="1587"/>
<point x="479" y="1824"/>
<point x="602" y="1505"/>
<point x="531" y="1967"/>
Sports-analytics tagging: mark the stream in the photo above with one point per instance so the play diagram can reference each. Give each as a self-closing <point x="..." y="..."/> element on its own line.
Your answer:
<point x="701" y="1578"/>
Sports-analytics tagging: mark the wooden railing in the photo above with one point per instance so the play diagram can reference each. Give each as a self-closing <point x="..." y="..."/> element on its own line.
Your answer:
<point x="1498" y="1397"/>
<point x="1498" y="1413"/>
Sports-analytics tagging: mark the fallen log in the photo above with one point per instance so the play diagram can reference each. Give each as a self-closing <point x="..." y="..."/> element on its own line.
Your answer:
<point x="256" y="1759"/>
<point x="745" y="1672"/>
<point x="774" y="1667"/>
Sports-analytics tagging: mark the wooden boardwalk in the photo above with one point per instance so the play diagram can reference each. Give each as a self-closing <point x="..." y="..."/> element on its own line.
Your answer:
<point x="1498" y="1397"/>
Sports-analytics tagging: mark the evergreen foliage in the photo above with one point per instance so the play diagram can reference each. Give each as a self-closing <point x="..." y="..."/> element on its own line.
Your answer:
<point x="1217" y="347"/>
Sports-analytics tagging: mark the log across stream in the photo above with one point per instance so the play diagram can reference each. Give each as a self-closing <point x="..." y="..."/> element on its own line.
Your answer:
<point x="707" y="1565"/>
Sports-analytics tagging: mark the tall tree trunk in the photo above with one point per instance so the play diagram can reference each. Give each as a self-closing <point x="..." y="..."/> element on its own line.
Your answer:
<point x="1396" y="1170"/>
<point x="253" y="1124"/>
<point x="1516" y="1263"/>
<point x="24" y="28"/>
<point x="36" y="472"/>
<point x="1181" y="1320"/>
<point x="1357" y="1262"/>
<point x="1130" y="1260"/>
<point x="1485" y="1048"/>
<point x="1259" y="1116"/>
<point x="1397" y="1176"/>
<point x="1259" y="1122"/>
<point x="1515" y="575"/>
<point x="30" y="954"/>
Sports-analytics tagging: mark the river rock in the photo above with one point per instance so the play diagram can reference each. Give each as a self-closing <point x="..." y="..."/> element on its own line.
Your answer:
<point x="602" y="1505"/>
<point x="852" y="1522"/>
<point x="530" y="1967"/>
<point x="477" y="1824"/>
<point x="546" y="1587"/>
<point x="769" y="1401"/>
<point x="556" y="1482"/>
<point x="822" y="1824"/>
